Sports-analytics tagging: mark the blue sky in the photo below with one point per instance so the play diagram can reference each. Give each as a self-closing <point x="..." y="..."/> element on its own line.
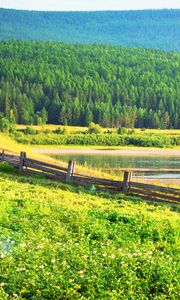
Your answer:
<point x="88" y="4"/>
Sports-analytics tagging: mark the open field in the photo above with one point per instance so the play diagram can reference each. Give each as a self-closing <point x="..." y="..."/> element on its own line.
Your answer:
<point x="62" y="242"/>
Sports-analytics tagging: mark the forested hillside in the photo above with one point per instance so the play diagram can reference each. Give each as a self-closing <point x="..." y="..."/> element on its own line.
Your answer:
<point x="149" y="28"/>
<point x="75" y="84"/>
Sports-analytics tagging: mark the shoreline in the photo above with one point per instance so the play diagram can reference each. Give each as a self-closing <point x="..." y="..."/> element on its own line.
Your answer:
<point x="108" y="151"/>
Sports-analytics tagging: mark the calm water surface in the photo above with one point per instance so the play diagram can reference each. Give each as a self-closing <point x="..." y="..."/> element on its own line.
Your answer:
<point x="116" y="161"/>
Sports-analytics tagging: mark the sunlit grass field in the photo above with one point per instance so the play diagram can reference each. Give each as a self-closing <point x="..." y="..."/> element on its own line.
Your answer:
<point x="63" y="242"/>
<point x="77" y="129"/>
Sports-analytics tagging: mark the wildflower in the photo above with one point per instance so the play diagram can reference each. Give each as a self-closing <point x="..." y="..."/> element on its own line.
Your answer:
<point x="15" y="295"/>
<point x="53" y="261"/>
<point x="3" y="255"/>
<point x="41" y="267"/>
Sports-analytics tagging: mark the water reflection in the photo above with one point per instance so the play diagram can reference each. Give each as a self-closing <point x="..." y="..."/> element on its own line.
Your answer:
<point x="115" y="162"/>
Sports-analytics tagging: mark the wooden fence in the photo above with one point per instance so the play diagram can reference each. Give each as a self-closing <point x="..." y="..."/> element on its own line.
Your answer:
<point x="127" y="186"/>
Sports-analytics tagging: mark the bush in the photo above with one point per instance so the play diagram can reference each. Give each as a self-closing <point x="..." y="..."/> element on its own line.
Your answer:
<point x="30" y="130"/>
<point x="4" y="124"/>
<point x="59" y="130"/>
<point x="95" y="128"/>
<point x="121" y="130"/>
<point x="104" y="139"/>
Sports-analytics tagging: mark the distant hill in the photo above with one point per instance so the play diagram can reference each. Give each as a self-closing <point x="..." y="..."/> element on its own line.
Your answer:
<point x="148" y="28"/>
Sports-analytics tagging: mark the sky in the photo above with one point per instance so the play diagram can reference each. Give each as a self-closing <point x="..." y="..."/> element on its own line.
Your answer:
<point x="73" y="5"/>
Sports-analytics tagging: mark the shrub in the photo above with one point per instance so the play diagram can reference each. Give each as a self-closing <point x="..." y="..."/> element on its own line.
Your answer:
<point x="95" y="128"/>
<point x="103" y="139"/>
<point x="121" y="130"/>
<point x="59" y="130"/>
<point x="30" y="130"/>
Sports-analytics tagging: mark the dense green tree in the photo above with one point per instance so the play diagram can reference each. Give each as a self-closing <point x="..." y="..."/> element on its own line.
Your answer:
<point x="48" y="82"/>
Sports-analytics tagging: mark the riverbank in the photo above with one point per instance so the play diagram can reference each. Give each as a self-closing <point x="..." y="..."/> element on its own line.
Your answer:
<point x="123" y="151"/>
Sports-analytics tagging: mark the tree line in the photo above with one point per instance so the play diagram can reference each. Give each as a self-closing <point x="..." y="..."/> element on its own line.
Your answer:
<point x="49" y="82"/>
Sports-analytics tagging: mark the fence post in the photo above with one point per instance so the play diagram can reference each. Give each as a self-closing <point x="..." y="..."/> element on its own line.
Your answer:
<point x="74" y="167"/>
<point x="70" y="170"/>
<point x="21" y="161"/>
<point x="127" y="179"/>
<point x="2" y="155"/>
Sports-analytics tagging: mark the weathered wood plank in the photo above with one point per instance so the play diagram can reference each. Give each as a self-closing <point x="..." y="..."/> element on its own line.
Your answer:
<point x="46" y="175"/>
<point x="8" y="156"/>
<point x="99" y="179"/>
<point x="154" y="199"/>
<point x="151" y="194"/>
<point x="98" y="187"/>
<point x="41" y="163"/>
<point x="93" y="180"/>
<point x="14" y="163"/>
<point x="155" y="187"/>
<point x="42" y="168"/>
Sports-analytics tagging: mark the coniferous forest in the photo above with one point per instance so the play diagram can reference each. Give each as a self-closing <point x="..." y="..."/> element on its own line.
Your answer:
<point x="50" y="82"/>
<point x="158" y="29"/>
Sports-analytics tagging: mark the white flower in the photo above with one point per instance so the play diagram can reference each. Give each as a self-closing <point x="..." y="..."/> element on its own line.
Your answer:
<point x="41" y="267"/>
<point x="3" y="255"/>
<point x="53" y="261"/>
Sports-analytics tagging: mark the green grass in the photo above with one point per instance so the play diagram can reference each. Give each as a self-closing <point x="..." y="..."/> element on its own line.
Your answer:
<point x="104" y="139"/>
<point x="62" y="242"/>
<point x="77" y="129"/>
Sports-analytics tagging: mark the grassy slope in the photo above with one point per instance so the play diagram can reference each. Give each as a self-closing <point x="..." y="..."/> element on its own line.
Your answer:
<point x="61" y="242"/>
<point x="10" y="146"/>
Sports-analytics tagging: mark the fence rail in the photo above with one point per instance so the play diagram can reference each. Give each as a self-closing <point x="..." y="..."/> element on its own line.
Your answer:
<point x="127" y="186"/>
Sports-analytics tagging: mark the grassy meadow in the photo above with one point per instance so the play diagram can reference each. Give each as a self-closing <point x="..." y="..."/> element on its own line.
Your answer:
<point x="79" y="129"/>
<point x="95" y="136"/>
<point x="64" y="242"/>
